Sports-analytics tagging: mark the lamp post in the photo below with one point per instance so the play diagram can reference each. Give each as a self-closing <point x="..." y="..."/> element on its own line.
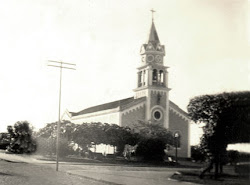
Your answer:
<point x="176" y="136"/>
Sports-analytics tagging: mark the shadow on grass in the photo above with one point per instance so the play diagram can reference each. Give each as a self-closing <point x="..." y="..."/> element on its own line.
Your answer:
<point x="224" y="179"/>
<point x="113" y="161"/>
<point x="5" y="174"/>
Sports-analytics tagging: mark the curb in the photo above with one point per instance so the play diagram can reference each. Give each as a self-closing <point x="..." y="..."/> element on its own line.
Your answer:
<point x="97" y="180"/>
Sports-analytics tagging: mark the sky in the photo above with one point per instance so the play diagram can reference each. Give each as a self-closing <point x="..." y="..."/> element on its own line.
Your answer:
<point x="207" y="49"/>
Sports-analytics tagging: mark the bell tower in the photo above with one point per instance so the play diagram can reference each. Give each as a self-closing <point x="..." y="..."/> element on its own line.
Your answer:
<point x="152" y="80"/>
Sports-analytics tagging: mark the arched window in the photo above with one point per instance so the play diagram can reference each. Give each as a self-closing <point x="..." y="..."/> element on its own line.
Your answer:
<point x="143" y="77"/>
<point x="161" y="77"/>
<point x="140" y="79"/>
<point x="155" y="76"/>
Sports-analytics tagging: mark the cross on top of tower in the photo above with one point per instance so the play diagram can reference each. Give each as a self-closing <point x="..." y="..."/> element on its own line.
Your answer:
<point x="153" y="11"/>
<point x="153" y="36"/>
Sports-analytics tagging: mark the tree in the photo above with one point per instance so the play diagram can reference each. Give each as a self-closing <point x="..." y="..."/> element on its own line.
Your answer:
<point x="88" y="134"/>
<point x="50" y="130"/>
<point x="153" y="139"/>
<point x="227" y="120"/>
<point x="95" y="133"/>
<point x="4" y="140"/>
<point x="21" y="138"/>
<point x="46" y="138"/>
<point x="153" y="130"/>
<point x="119" y="136"/>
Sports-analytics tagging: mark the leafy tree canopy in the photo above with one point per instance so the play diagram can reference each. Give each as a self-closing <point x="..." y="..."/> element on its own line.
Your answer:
<point x="227" y="120"/>
<point x="154" y="131"/>
<point x="226" y="112"/>
<point x="50" y="130"/>
<point x="152" y="140"/>
<point x="88" y="134"/>
<point x="21" y="138"/>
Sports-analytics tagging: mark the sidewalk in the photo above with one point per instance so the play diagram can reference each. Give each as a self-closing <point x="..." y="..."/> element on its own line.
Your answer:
<point x="17" y="158"/>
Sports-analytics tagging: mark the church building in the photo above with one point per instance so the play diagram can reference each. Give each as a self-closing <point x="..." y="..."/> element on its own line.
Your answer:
<point x="150" y="102"/>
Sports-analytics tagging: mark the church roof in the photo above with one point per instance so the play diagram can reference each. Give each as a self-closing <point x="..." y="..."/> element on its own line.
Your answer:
<point x="177" y="108"/>
<point x="123" y="104"/>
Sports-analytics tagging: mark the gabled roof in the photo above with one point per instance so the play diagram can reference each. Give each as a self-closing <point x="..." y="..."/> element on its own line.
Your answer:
<point x="177" y="108"/>
<point x="135" y="102"/>
<point x="124" y="103"/>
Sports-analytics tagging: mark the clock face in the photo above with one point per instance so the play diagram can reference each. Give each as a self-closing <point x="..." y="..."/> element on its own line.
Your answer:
<point x="158" y="58"/>
<point x="150" y="58"/>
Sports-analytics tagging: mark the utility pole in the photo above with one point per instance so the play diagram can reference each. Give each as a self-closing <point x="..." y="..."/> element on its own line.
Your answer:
<point x="60" y="65"/>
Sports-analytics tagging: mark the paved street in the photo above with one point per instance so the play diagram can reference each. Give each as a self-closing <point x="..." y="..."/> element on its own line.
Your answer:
<point x="26" y="170"/>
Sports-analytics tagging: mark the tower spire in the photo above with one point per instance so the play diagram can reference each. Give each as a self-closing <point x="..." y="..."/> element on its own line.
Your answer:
<point x="153" y="36"/>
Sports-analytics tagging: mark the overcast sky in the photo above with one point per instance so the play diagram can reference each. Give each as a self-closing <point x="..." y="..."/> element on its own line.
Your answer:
<point x="207" y="50"/>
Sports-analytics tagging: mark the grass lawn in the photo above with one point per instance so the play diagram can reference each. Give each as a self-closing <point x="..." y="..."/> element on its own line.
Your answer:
<point x="120" y="161"/>
<point x="225" y="179"/>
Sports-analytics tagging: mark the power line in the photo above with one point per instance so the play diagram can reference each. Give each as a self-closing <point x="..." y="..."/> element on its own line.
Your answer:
<point x="61" y="66"/>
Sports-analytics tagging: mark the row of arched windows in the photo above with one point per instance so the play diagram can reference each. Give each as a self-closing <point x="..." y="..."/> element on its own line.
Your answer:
<point x="157" y="77"/>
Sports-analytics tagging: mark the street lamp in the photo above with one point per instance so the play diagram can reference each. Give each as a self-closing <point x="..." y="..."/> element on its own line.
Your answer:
<point x="176" y="136"/>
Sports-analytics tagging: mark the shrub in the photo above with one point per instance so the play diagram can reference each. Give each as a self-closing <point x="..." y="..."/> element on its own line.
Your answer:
<point x="233" y="156"/>
<point x="151" y="149"/>
<point x="197" y="154"/>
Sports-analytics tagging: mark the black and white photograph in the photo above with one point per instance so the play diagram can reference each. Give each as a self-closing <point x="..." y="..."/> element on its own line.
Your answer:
<point x="125" y="92"/>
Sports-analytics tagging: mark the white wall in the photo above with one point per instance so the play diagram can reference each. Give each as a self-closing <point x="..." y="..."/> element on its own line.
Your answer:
<point x="111" y="118"/>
